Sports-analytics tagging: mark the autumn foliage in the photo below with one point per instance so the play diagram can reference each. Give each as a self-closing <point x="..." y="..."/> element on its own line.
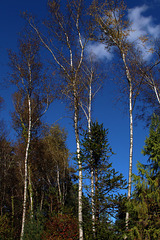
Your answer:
<point x="61" y="227"/>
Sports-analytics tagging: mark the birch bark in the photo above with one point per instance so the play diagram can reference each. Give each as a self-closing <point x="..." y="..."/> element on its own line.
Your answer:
<point x="26" y="168"/>
<point x="80" y="217"/>
<point x="129" y="79"/>
<point x="150" y="81"/>
<point x="58" y="183"/>
<point x="30" y="191"/>
<point x="92" y="170"/>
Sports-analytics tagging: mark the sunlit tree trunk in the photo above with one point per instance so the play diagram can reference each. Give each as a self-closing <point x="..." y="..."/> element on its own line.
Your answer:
<point x="87" y="109"/>
<point x="129" y="79"/>
<point x="92" y="170"/>
<point x="30" y="190"/>
<point x="80" y="218"/>
<point x="131" y="150"/>
<point x="26" y="168"/>
<point x="149" y="80"/>
<point x="64" y="187"/>
<point x="42" y="199"/>
<point x="96" y="211"/>
<point x="58" y="183"/>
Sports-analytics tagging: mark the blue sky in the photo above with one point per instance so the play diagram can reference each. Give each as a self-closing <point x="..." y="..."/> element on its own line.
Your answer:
<point x="146" y="20"/>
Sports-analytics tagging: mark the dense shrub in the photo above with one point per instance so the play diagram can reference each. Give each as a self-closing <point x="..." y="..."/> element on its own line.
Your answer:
<point x="61" y="227"/>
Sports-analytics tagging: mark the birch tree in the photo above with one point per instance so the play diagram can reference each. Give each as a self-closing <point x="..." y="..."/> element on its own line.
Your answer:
<point x="66" y="43"/>
<point x="115" y="29"/>
<point x="57" y="155"/>
<point x="31" y="100"/>
<point x="151" y="75"/>
<point x="92" y="85"/>
<point x="150" y="92"/>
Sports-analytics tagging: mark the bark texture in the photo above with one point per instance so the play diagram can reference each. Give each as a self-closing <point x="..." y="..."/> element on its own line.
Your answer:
<point x="26" y="169"/>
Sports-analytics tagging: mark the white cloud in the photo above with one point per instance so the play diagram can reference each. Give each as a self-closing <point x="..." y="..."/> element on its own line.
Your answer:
<point x="142" y="26"/>
<point x="99" y="51"/>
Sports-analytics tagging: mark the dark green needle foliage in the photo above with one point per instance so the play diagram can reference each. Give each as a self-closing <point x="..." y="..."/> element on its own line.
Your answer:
<point x="145" y="221"/>
<point x="96" y="149"/>
<point x="95" y="155"/>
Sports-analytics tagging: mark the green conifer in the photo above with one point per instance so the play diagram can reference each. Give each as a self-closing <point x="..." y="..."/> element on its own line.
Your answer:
<point x="145" y="220"/>
<point x="95" y="154"/>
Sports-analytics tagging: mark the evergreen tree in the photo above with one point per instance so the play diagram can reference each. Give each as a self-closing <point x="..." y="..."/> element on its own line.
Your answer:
<point x="95" y="154"/>
<point x="145" y="205"/>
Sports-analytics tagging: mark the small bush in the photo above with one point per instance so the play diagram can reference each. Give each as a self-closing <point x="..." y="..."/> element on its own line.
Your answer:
<point x="5" y="228"/>
<point x="61" y="227"/>
<point x="34" y="228"/>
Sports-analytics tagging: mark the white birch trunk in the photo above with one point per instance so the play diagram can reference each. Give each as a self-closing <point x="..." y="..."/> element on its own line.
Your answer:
<point x="80" y="215"/>
<point x="157" y="94"/>
<point x="80" y="218"/>
<point x="87" y="112"/>
<point x="131" y="131"/>
<point x="131" y="140"/>
<point x="80" y="195"/>
<point x="150" y="81"/>
<point x="26" y="169"/>
<point x="131" y="150"/>
<point x="64" y="190"/>
<point x="58" y="183"/>
<point x="92" y="170"/>
<point x="92" y="201"/>
<point x="30" y="191"/>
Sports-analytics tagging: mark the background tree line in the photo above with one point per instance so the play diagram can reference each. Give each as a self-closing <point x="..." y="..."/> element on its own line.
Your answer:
<point x="42" y="197"/>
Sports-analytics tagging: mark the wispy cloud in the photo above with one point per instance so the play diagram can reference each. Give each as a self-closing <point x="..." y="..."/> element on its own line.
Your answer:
<point x="142" y="25"/>
<point x="99" y="51"/>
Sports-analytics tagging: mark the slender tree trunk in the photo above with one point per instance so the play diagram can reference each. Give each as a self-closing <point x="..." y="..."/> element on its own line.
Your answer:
<point x="92" y="201"/>
<point x="64" y="190"/>
<point x="30" y="191"/>
<point x="150" y="81"/>
<point x="131" y="149"/>
<point x="26" y="170"/>
<point x="80" y="218"/>
<point x="156" y="93"/>
<point x="92" y="170"/>
<point x="96" y="202"/>
<point x="12" y="200"/>
<point x="131" y="131"/>
<point x="42" y="199"/>
<point x="80" y="194"/>
<point x="58" y="183"/>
